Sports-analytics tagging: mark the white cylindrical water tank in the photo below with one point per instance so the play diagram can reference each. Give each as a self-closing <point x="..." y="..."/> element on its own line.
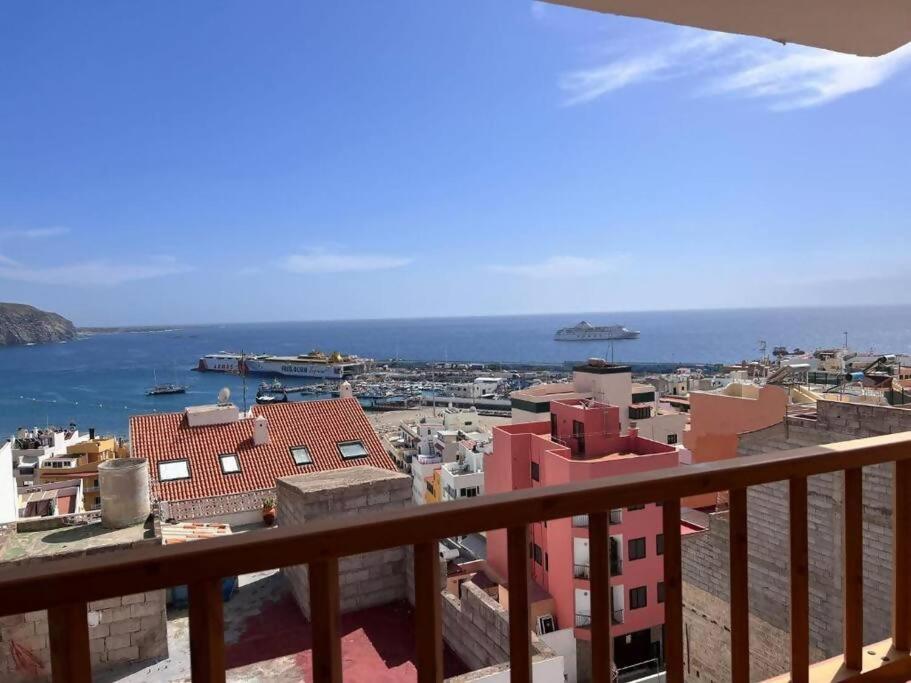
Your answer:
<point x="345" y="391"/>
<point x="124" y="487"/>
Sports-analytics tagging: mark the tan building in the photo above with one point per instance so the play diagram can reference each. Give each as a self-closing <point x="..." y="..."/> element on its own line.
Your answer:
<point x="81" y="462"/>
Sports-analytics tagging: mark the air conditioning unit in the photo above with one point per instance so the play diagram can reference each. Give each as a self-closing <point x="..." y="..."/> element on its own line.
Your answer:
<point x="546" y="624"/>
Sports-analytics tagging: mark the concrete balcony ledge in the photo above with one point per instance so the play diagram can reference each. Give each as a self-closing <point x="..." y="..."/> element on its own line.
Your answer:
<point x="881" y="662"/>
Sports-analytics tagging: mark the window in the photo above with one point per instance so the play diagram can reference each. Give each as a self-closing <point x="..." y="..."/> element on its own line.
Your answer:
<point x="301" y="455"/>
<point x="352" y="449"/>
<point x="229" y="463"/>
<point x="637" y="548"/>
<point x="469" y="492"/>
<point x="635" y="507"/>
<point x="661" y="591"/>
<point x="173" y="469"/>
<point x="638" y="597"/>
<point x="429" y="487"/>
<point x="535" y="472"/>
<point x="672" y="438"/>
<point x="553" y="425"/>
<point x="546" y="563"/>
<point x="659" y="544"/>
<point x="538" y="554"/>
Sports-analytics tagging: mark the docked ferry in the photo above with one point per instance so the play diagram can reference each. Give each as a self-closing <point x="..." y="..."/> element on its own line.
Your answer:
<point x="585" y="331"/>
<point x="313" y="365"/>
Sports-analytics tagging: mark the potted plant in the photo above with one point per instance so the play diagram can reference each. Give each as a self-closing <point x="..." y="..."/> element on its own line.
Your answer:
<point x="269" y="511"/>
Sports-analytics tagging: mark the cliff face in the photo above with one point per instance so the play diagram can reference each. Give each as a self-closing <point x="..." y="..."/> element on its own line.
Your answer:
<point x="22" y="324"/>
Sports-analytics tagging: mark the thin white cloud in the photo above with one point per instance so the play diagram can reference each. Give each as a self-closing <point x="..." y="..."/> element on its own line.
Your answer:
<point x="94" y="273"/>
<point x="33" y="233"/>
<point x="685" y="55"/>
<point x="784" y="77"/>
<point x="326" y="261"/>
<point x="561" y="267"/>
<point x="803" y="77"/>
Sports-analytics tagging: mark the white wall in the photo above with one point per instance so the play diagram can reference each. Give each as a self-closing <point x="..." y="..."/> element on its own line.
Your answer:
<point x="563" y="642"/>
<point x="543" y="671"/>
<point x="8" y="498"/>
<point x="658" y="427"/>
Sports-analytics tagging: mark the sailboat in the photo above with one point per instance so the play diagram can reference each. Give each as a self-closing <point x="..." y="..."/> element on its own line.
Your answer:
<point x="164" y="389"/>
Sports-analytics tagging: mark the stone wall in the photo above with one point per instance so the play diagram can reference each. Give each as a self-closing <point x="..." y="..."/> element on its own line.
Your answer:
<point x="131" y="628"/>
<point x="365" y="580"/>
<point x="705" y="555"/>
<point x="476" y="628"/>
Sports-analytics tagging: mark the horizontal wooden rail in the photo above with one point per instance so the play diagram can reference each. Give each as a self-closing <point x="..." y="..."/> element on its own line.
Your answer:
<point x="111" y="574"/>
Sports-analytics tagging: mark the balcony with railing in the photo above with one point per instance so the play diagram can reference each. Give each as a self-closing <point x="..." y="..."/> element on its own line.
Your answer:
<point x="65" y="587"/>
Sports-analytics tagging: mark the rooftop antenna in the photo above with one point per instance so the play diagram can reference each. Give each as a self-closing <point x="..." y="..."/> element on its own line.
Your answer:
<point x="846" y="339"/>
<point x="243" y="376"/>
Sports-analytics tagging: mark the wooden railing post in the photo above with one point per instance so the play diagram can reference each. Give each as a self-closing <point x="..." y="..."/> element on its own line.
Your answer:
<point x="740" y="595"/>
<point x="800" y="596"/>
<point x="853" y="546"/>
<point x="519" y="630"/>
<point x="427" y="613"/>
<point x="207" y="632"/>
<point x="602" y="655"/>
<point x="901" y="556"/>
<point x="673" y="591"/>
<point x="68" y="632"/>
<point x="324" y="621"/>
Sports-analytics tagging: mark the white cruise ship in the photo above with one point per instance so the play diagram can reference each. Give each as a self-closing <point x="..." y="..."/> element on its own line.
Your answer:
<point x="585" y="331"/>
<point x="313" y="365"/>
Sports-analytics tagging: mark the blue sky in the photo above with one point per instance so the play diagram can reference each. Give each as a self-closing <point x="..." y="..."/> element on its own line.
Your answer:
<point x="236" y="161"/>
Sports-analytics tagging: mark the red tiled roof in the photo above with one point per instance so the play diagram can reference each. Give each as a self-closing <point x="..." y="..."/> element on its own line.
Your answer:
<point x="318" y="425"/>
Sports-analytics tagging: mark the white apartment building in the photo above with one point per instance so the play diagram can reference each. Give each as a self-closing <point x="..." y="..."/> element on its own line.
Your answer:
<point x="31" y="447"/>
<point x="8" y="498"/>
<point x="434" y="442"/>
<point x="464" y="478"/>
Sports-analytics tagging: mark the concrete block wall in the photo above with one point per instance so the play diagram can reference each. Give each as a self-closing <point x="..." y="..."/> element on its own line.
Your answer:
<point x="130" y="628"/>
<point x="707" y="644"/>
<point x="365" y="580"/>
<point x="476" y="627"/>
<point x="705" y="555"/>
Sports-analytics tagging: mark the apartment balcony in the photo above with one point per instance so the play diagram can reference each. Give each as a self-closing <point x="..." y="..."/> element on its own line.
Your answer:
<point x="64" y="587"/>
<point x="584" y="619"/>
<point x="582" y="571"/>
<point x="581" y="521"/>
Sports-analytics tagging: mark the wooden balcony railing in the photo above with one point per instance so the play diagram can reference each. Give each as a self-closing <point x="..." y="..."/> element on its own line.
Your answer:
<point x="64" y="587"/>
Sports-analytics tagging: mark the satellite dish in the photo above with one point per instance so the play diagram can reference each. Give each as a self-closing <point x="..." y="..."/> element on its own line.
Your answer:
<point x="224" y="396"/>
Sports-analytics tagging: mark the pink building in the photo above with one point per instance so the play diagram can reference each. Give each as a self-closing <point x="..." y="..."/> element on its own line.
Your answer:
<point x="718" y="418"/>
<point x="583" y="441"/>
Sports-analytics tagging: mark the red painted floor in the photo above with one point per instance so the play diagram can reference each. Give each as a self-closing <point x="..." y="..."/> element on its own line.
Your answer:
<point x="377" y="643"/>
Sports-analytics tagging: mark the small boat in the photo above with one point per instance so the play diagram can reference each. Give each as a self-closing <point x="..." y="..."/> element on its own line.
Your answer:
<point x="273" y="392"/>
<point x="164" y="389"/>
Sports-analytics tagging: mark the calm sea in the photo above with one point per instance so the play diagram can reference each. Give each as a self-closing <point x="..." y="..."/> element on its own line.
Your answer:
<point x="100" y="381"/>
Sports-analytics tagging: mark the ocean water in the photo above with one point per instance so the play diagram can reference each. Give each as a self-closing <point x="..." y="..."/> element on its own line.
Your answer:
<point x="101" y="380"/>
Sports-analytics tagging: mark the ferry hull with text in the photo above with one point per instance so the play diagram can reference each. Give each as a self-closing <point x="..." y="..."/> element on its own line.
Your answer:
<point x="314" y="365"/>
